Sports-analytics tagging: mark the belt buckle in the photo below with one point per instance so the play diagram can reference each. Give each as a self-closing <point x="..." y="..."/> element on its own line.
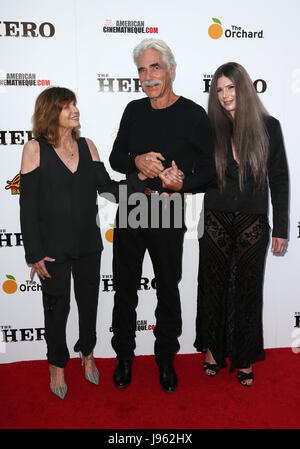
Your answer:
<point x="148" y="191"/>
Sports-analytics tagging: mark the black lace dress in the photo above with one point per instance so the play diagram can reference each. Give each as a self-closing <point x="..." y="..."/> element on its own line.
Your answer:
<point x="230" y="283"/>
<point x="232" y="258"/>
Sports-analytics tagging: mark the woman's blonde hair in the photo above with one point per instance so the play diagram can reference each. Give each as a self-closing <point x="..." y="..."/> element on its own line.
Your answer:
<point x="48" y="107"/>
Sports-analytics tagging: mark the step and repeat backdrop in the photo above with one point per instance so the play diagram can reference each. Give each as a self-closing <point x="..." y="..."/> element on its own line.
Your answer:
<point x="87" y="46"/>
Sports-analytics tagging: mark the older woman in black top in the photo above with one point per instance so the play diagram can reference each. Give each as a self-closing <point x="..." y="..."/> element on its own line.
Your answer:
<point x="250" y="159"/>
<point x="60" y="176"/>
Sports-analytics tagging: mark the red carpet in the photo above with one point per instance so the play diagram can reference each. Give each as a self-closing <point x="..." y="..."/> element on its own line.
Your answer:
<point x="273" y="402"/>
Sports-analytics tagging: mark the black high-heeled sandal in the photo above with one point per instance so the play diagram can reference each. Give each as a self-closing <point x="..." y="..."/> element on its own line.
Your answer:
<point x="242" y="377"/>
<point x="211" y="367"/>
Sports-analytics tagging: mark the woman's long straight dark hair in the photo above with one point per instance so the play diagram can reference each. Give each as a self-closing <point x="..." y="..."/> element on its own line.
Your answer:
<point x="247" y="128"/>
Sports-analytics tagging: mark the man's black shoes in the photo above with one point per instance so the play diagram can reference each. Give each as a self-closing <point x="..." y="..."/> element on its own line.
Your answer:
<point x="167" y="375"/>
<point x="122" y="373"/>
<point x="167" y="378"/>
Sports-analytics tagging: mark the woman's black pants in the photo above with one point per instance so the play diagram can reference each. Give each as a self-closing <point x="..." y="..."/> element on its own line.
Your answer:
<point x="56" y="301"/>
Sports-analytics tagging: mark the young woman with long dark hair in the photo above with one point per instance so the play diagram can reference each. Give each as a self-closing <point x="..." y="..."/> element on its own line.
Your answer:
<point x="249" y="155"/>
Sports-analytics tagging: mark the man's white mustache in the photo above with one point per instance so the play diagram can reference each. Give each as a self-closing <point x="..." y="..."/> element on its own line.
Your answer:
<point x="151" y="83"/>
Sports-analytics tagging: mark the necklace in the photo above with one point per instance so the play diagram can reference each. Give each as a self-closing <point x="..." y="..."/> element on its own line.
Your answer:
<point x="71" y="155"/>
<point x="66" y="154"/>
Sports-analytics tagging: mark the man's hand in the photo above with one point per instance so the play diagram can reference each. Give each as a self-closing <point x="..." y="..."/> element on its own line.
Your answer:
<point x="40" y="268"/>
<point x="278" y="245"/>
<point x="149" y="164"/>
<point x="173" y="173"/>
<point x="172" y="178"/>
<point x="141" y="176"/>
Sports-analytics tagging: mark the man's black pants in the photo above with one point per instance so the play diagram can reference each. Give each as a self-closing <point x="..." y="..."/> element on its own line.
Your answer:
<point x="56" y="302"/>
<point x="165" y="246"/>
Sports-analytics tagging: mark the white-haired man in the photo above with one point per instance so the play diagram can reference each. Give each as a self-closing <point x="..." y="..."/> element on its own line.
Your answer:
<point x="154" y="131"/>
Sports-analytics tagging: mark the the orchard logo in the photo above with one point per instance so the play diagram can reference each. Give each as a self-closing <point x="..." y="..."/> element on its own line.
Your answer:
<point x="109" y="234"/>
<point x="215" y="30"/>
<point x="14" y="185"/>
<point x="10" y="285"/>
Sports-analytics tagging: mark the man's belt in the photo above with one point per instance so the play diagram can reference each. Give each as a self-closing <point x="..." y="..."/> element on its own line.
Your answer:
<point x="148" y="191"/>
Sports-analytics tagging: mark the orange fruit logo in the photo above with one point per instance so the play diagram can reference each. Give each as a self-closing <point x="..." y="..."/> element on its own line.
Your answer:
<point x="215" y="30"/>
<point x="10" y="285"/>
<point x="109" y="235"/>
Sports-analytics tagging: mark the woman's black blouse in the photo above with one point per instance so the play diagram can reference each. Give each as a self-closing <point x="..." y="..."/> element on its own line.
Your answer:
<point x="252" y="200"/>
<point x="58" y="208"/>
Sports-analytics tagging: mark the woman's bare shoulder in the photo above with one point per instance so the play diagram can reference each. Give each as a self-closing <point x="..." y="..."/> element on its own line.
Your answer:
<point x="93" y="149"/>
<point x="30" y="156"/>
